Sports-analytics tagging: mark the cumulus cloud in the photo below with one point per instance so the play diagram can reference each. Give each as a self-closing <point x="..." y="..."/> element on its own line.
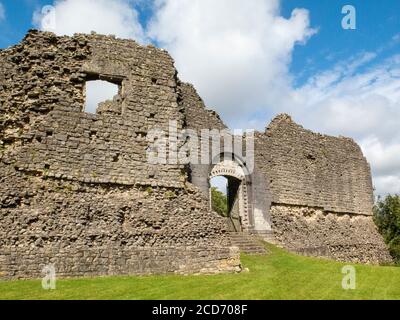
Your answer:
<point x="337" y="99"/>
<point x="384" y="158"/>
<point x="117" y="17"/>
<point x="2" y="12"/>
<point x="360" y="103"/>
<point x="235" y="52"/>
<point x="387" y="185"/>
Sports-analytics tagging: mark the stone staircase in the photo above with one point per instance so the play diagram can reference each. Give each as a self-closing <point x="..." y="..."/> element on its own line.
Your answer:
<point x="267" y="236"/>
<point x="249" y="244"/>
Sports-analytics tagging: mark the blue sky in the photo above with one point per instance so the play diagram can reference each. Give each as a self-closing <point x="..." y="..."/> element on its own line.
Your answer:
<point x="377" y="23"/>
<point x="251" y="60"/>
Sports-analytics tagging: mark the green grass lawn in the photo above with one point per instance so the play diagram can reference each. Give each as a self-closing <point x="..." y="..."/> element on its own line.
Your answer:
<point x="278" y="275"/>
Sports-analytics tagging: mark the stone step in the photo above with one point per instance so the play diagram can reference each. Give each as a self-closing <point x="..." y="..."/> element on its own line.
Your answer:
<point x="267" y="236"/>
<point x="252" y="249"/>
<point x="247" y="243"/>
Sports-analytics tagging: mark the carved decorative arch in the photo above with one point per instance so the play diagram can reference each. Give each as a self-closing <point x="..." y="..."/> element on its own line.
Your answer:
<point x="228" y="168"/>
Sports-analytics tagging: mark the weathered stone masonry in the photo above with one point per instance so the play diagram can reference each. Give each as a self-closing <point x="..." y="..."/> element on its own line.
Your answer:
<point x="321" y="192"/>
<point x="313" y="192"/>
<point x="88" y="229"/>
<point x="43" y="99"/>
<point x="77" y="190"/>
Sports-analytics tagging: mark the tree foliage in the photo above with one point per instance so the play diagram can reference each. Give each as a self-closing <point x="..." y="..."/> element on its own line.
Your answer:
<point x="219" y="202"/>
<point x="387" y="218"/>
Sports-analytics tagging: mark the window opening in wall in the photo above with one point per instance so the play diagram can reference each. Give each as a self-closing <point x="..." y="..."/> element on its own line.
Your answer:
<point x="99" y="91"/>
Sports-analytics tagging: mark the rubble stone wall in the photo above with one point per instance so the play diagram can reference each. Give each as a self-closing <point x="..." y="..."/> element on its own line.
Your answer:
<point x="310" y="169"/>
<point x="322" y="191"/>
<point x="76" y="188"/>
<point x="315" y="232"/>
<point x="98" y="229"/>
<point x="44" y="128"/>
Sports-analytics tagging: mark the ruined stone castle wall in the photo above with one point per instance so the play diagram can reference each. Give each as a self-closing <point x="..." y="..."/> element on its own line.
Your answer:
<point x="76" y="188"/>
<point x="310" y="169"/>
<point x="321" y="193"/>
<point x="198" y="118"/>
<point x="43" y="81"/>
<point x="92" y="229"/>
<point x="256" y="199"/>
<point x="315" y="232"/>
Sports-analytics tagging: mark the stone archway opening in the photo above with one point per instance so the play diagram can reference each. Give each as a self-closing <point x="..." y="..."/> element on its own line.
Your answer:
<point x="218" y="195"/>
<point x="225" y="196"/>
<point x="236" y="193"/>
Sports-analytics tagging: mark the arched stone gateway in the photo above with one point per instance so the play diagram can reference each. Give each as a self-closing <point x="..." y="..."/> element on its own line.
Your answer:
<point x="236" y="193"/>
<point x="248" y="206"/>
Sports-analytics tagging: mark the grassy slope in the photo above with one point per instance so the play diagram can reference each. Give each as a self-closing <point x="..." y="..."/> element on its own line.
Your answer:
<point x="279" y="275"/>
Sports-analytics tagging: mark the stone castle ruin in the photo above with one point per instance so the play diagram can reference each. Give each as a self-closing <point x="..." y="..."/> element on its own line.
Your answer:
<point x="78" y="192"/>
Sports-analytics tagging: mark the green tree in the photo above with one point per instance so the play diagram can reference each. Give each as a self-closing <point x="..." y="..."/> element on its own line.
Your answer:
<point x="387" y="218"/>
<point x="219" y="202"/>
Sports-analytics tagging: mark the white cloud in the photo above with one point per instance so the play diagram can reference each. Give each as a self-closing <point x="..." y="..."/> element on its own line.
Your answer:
<point x="387" y="185"/>
<point x="364" y="105"/>
<point x="385" y="161"/>
<point x="2" y="12"/>
<point x="384" y="156"/>
<point x="235" y="52"/>
<point x="117" y="17"/>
